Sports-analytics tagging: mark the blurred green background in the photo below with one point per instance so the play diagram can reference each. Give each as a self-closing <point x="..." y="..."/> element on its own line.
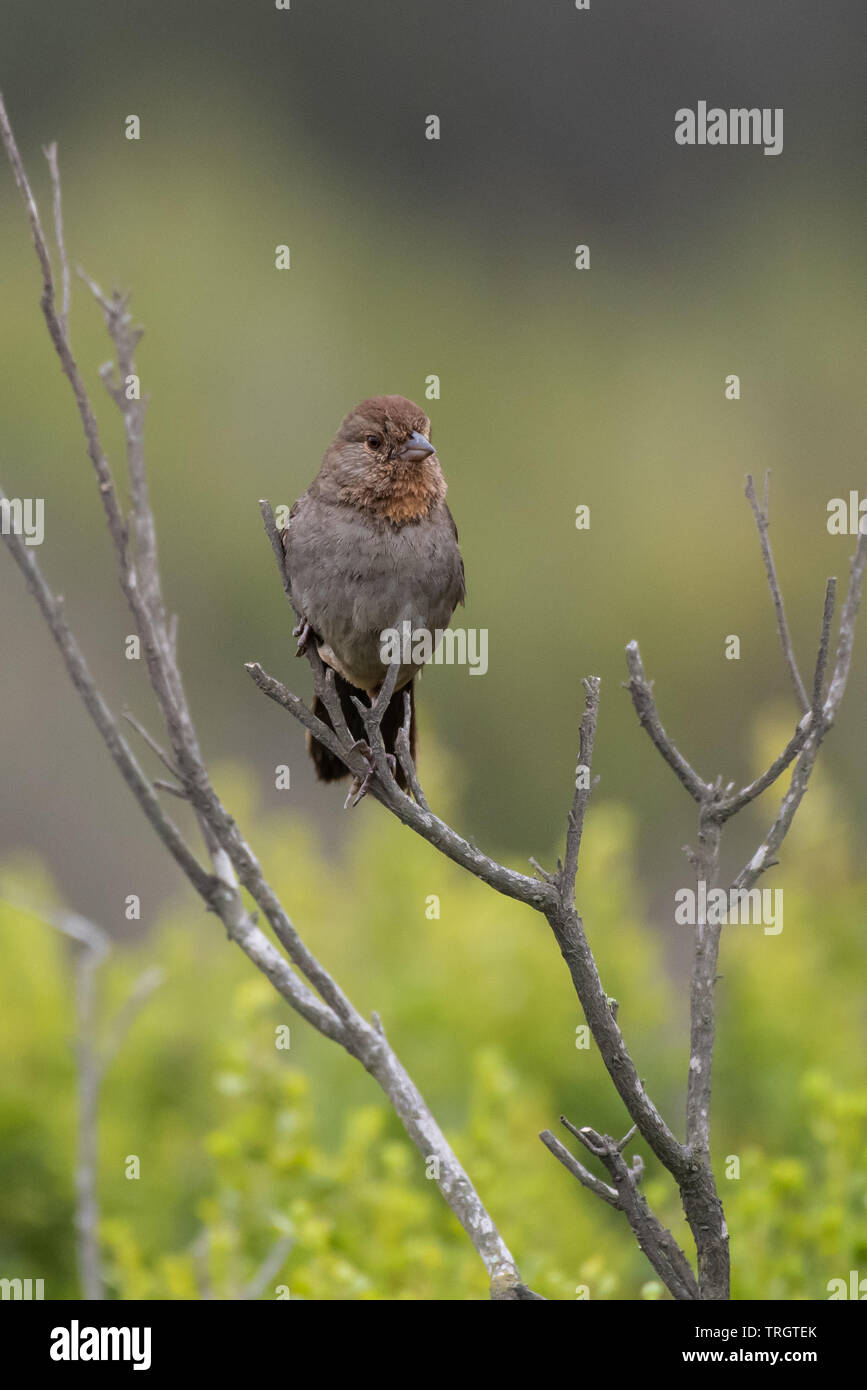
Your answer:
<point x="558" y="387"/>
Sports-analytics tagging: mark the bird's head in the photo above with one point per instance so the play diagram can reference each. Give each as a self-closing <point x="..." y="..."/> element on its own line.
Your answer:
<point x="382" y="460"/>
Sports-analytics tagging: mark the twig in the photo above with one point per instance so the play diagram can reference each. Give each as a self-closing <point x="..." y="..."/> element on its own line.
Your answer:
<point x="846" y="638"/>
<point x="506" y="881"/>
<point x="657" y="1242"/>
<point x="114" y="515"/>
<point x="729" y="806"/>
<point x="824" y="644"/>
<point x="575" y="822"/>
<point x="92" y="946"/>
<point x="142" y="989"/>
<point x="152" y="744"/>
<point x="170" y="787"/>
<point x="270" y="1266"/>
<point x="714" y="809"/>
<point x="79" y="673"/>
<point x="50" y="152"/>
<point x="820" y="724"/>
<point x="584" y="1176"/>
<point x="404" y="755"/>
<point x="761" y="516"/>
<point x="276" y="545"/>
<point x="645" y="707"/>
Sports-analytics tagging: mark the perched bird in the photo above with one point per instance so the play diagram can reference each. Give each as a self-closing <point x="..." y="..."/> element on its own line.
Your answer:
<point x="370" y="546"/>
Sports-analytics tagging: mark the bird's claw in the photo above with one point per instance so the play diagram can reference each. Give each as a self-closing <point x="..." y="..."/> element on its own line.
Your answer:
<point x="301" y="630"/>
<point x="361" y="785"/>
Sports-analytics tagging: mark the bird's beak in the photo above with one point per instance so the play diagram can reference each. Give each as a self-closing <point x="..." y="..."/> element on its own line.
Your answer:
<point x="416" y="448"/>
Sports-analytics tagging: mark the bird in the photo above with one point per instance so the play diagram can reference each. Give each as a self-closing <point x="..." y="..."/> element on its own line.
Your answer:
<point x="370" y="546"/>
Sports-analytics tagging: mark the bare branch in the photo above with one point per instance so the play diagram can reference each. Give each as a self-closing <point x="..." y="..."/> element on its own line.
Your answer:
<point x="654" y="1239"/>
<point x="702" y="1015"/>
<point x="276" y="545"/>
<point x="764" y="855"/>
<point x="645" y="707"/>
<point x="761" y="516"/>
<point x="846" y="638"/>
<point x="50" y="152"/>
<point x="152" y="744"/>
<point x="584" y="1176"/>
<point x="728" y="806"/>
<point x="170" y="787"/>
<point x="404" y="755"/>
<point x="575" y="823"/>
<point x="824" y="644"/>
<point x="142" y="989"/>
<point x="731" y="805"/>
<point x="52" y="611"/>
<point x="269" y="1268"/>
<point x="89" y="1079"/>
<point x="114" y="515"/>
<point x="424" y="822"/>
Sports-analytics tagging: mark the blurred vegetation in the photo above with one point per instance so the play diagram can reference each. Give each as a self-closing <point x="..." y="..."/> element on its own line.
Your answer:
<point x="242" y="1143"/>
<point x="558" y="387"/>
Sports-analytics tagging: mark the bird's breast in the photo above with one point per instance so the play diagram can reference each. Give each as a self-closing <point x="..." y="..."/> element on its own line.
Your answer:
<point x="354" y="577"/>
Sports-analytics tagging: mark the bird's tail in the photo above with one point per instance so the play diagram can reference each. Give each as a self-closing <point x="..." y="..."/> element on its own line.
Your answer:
<point x="329" y="768"/>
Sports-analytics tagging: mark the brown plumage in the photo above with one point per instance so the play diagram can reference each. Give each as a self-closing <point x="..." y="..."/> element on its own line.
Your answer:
<point x="370" y="545"/>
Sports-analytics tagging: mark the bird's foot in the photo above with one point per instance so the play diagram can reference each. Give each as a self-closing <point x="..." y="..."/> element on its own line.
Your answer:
<point x="361" y="785"/>
<point x="301" y="630"/>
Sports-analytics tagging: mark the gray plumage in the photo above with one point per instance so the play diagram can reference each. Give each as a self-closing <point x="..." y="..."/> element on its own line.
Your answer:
<point x="352" y="576"/>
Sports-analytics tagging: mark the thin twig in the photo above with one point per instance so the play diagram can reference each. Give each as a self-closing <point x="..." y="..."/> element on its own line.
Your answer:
<point x="824" y="644"/>
<point x="50" y="152"/>
<point x="763" y="858"/>
<point x="657" y="1242"/>
<point x="151" y="743"/>
<point x="142" y="989"/>
<point x="276" y="545"/>
<point x="729" y="806"/>
<point x="584" y="1176"/>
<point x="762" y="522"/>
<point x="846" y="638"/>
<point x="402" y="748"/>
<point x="170" y="787"/>
<point x="269" y="1268"/>
<point x="645" y="707"/>
<point x="575" y="823"/>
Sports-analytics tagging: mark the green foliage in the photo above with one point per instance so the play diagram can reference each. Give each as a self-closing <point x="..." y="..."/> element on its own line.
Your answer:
<point x="243" y="1144"/>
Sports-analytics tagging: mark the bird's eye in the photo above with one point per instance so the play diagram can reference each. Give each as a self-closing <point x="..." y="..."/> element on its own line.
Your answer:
<point x="373" y="440"/>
